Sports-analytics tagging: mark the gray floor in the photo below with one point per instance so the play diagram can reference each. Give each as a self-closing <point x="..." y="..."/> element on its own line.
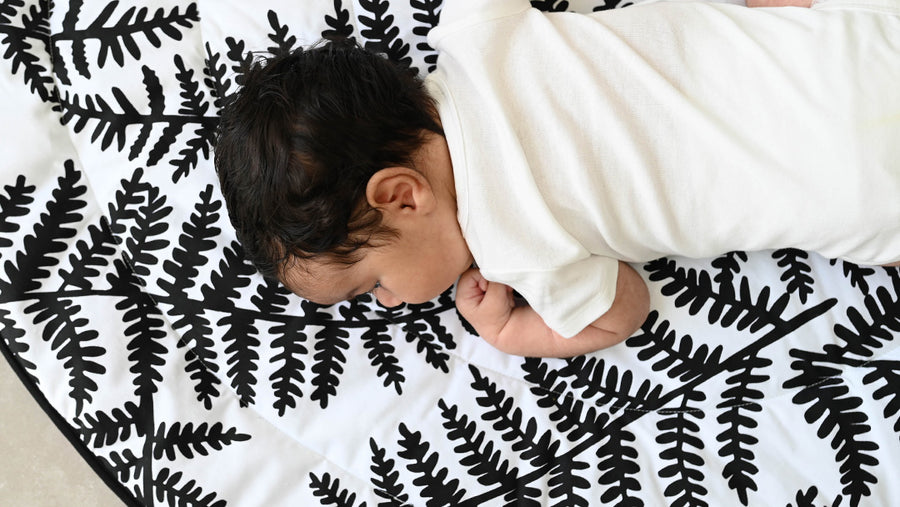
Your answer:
<point x="38" y="466"/>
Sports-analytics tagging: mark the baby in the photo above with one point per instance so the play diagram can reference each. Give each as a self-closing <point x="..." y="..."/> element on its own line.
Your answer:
<point x="550" y="150"/>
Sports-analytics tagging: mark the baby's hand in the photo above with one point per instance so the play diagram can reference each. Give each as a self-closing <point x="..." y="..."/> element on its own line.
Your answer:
<point x="779" y="3"/>
<point x="486" y="305"/>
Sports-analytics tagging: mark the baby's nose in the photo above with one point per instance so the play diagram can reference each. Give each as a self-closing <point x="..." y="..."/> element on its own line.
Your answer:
<point x="387" y="299"/>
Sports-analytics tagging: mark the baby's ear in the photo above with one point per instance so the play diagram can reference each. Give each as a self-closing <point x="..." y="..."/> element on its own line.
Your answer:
<point x="399" y="189"/>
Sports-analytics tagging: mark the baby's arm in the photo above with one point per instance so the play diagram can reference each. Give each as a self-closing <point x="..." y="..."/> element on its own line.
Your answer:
<point x="519" y="330"/>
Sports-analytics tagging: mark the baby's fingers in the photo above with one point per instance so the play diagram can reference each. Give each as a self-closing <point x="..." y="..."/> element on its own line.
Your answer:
<point x="498" y="296"/>
<point x="471" y="285"/>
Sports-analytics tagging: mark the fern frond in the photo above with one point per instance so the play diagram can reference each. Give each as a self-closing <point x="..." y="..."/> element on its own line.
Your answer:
<point x="433" y="481"/>
<point x="571" y="417"/>
<point x="329" y="358"/>
<point x="201" y="144"/>
<point x="88" y="257"/>
<point x="145" y="236"/>
<point x="679" y="433"/>
<point x="737" y="444"/>
<point x="330" y="492"/>
<point x="10" y="334"/>
<point x="888" y="375"/>
<point x="677" y="356"/>
<point x="18" y="41"/>
<point x="695" y="289"/>
<point x="796" y="273"/>
<point x="824" y="390"/>
<point x="382" y="355"/>
<point x="146" y="329"/>
<point x="339" y="25"/>
<point x="169" y="489"/>
<point x="185" y="440"/>
<point x="479" y="455"/>
<point x="49" y="237"/>
<point x="280" y="35"/>
<point x="872" y="332"/>
<point x="417" y="332"/>
<point x="14" y="204"/>
<point x="858" y="275"/>
<point x="289" y="340"/>
<point x="100" y="429"/>
<point x="386" y="478"/>
<point x="616" y="462"/>
<point x="122" y="464"/>
<point x="196" y="239"/>
<point x="381" y="33"/>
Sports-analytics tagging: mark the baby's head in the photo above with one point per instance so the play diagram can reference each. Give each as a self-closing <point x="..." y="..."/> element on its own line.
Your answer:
<point x="297" y="148"/>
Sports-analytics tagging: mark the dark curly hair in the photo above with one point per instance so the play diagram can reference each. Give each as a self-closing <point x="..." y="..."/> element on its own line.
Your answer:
<point x="297" y="144"/>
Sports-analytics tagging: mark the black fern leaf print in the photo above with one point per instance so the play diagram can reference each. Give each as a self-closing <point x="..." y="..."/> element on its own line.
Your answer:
<point x="886" y="374"/>
<point x="216" y="78"/>
<point x="147" y="330"/>
<point x="870" y="331"/>
<point x="417" y="331"/>
<point x="290" y="342"/>
<point x="331" y="344"/>
<point x="807" y="499"/>
<point x="694" y="289"/>
<point x="57" y="312"/>
<point x="13" y="205"/>
<point x="25" y="42"/>
<point x="550" y="5"/>
<point x="740" y="403"/>
<point x="101" y="429"/>
<point x="676" y="356"/>
<point x="728" y="266"/>
<point x="830" y="404"/>
<point x="145" y="240"/>
<point x="385" y="476"/>
<point x="381" y="35"/>
<point x="679" y="434"/>
<point x="280" y="35"/>
<point x="117" y="33"/>
<point x="435" y="482"/>
<point x="12" y="337"/>
<point x="428" y="16"/>
<point x="111" y="122"/>
<point x="542" y="451"/>
<point x="338" y="25"/>
<point x="185" y="440"/>
<point x="195" y="240"/>
<point x="618" y="466"/>
<point x="574" y="416"/>
<point x="241" y="334"/>
<point x="171" y="488"/>
<point x="856" y="274"/>
<point x="48" y="237"/>
<point x="89" y="257"/>
<point x="329" y="491"/>
<point x="796" y="272"/>
<point x="481" y="457"/>
<point x="606" y="386"/>
<point x="377" y="340"/>
<point x="193" y="106"/>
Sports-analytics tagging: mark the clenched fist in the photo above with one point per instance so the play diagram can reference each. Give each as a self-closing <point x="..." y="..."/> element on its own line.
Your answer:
<point x="486" y="305"/>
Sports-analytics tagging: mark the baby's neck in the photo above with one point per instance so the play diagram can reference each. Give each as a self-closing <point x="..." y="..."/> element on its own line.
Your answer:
<point x="433" y="160"/>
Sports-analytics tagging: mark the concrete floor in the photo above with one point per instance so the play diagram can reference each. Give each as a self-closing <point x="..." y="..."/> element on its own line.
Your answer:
<point x="38" y="466"/>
